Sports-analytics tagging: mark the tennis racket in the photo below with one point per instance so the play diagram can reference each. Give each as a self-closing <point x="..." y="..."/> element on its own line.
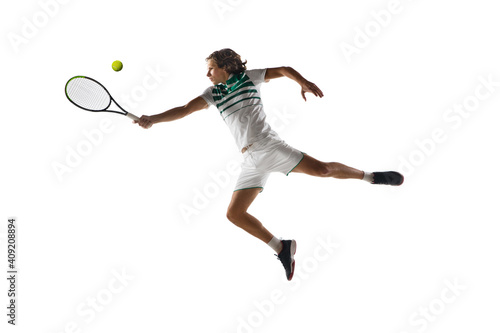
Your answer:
<point x="90" y="95"/>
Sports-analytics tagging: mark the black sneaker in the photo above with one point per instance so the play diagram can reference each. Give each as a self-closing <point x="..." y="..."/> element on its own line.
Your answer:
<point x="286" y="257"/>
<point x="388" y="178"/>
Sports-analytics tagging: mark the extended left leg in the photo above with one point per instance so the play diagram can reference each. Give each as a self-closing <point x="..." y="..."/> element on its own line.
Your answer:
<point x="313" y="167"/>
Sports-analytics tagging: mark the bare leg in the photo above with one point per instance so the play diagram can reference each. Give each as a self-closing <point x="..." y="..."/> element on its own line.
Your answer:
<point x="313" y="167"/>
<point x="237" y="213"/>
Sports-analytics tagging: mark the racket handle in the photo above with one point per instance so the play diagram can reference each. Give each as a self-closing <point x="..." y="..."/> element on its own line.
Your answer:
<point x="133" y="117"/>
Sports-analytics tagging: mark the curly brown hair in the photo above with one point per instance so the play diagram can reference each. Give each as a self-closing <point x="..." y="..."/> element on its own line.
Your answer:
<point x="228" y="60"/>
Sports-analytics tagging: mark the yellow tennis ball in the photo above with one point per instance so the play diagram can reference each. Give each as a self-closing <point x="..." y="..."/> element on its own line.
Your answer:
<point x="117" y="65"/>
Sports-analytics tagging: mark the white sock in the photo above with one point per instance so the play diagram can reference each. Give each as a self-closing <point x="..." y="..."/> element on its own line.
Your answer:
<point x="368" y="176"/>
<point x="275" y="244"/>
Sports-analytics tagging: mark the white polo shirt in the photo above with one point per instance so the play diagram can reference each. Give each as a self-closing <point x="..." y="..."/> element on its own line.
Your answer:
<point x="240" y="106"/>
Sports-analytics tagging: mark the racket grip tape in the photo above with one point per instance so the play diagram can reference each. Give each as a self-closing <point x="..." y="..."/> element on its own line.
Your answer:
<point x="133" y="117"/>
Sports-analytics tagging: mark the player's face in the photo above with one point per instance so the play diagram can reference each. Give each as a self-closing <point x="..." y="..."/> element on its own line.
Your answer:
<point x="215" y="74"/>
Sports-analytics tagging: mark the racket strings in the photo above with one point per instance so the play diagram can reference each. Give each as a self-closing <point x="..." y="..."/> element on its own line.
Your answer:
<point x="88" y="94"/>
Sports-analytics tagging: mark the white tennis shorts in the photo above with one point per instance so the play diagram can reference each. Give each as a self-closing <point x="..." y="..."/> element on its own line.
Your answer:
<point x="263" y="157"/>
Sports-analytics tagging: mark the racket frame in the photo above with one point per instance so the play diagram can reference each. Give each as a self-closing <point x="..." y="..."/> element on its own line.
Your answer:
<point x="111" y="99"/>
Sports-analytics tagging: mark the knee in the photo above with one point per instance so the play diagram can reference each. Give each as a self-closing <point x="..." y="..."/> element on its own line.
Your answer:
<point x="233" y="215"/>
<point x="322" y="170"/>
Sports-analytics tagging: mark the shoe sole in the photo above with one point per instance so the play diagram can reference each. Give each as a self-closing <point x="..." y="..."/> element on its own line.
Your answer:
<point x="293" y="249"/>
<point x="402" y="180"/>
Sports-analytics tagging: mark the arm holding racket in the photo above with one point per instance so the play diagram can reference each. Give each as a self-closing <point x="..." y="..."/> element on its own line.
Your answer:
<point x="90" y="95"/>
<point x="173" y="114"/>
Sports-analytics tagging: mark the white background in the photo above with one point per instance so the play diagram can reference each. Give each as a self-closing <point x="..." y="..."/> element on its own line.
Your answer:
<point x="119" y="208"/>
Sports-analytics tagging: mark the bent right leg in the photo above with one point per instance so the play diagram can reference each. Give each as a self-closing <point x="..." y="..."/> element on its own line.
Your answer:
<point x="238" y="215"/>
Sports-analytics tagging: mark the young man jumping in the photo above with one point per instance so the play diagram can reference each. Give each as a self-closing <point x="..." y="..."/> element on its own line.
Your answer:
<point x="236" y="94"/>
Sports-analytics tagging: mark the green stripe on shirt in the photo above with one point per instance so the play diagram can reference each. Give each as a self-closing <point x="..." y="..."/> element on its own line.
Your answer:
<point x="236" y="95"/>
<point x="235" y="78"/>
<point x="240" y="109"/>
<point x="222" y="96"/>
<point x="241" y="100"/>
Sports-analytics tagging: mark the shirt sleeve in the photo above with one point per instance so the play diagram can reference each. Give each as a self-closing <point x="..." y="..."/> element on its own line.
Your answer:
<point x="257" y="76"/>
<point x="207" y="96"/>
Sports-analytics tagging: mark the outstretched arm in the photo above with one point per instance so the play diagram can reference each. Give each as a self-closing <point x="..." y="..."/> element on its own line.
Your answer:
<point x="289" y="72"/>
<point x="173" y="114"/>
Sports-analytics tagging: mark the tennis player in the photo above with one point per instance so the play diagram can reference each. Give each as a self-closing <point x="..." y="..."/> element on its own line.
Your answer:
<point x="235" y="92"/>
